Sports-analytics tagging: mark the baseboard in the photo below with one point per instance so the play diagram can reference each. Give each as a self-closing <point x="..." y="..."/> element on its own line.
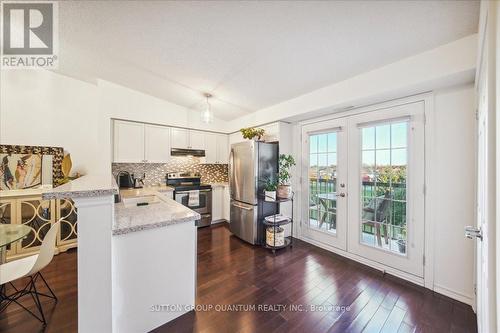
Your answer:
<point x="219" y="221"/>
<point x="378" y="266"/>
<point x="467" y="299"/>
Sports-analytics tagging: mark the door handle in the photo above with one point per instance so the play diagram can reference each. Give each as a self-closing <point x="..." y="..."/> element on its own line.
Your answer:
<point x="471" y="232"/>
<point x="242" y="207"/>
<point x="342" y="194"/>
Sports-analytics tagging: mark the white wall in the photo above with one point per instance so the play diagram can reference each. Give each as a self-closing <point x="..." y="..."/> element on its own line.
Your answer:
<point x="451" y="124"/>
<point x="453" y="171"/>
<point x="443" y="66"/>
<point x="41" y="108"/>
<point x="46" y="108"/>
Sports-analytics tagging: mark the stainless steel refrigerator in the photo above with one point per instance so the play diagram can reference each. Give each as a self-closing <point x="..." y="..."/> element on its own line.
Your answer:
<point x="251" y="163"/>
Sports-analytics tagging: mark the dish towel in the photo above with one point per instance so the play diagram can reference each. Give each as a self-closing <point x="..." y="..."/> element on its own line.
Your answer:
<point x="194" y="198"/>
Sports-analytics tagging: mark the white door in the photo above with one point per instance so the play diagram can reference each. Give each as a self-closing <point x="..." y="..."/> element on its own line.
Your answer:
<point x="482" y="257"/>
<point x="386" y="193"/>
<point x="363" y="180"/>
<point x="179" y="138"/>
<point x="324" y="178"/>
<point x="157" y="143"/>
<point x="196" y="140"/>
<point x="128" y="142"/>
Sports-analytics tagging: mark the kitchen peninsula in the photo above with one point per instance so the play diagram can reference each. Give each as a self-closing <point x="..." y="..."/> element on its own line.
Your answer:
<point x="114" y="239"/>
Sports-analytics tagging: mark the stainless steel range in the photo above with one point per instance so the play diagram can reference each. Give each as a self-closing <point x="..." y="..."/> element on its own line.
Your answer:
<point x="189" y="191"/>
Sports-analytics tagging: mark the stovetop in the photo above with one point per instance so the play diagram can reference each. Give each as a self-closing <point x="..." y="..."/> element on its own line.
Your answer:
<point x="186" y="182"/>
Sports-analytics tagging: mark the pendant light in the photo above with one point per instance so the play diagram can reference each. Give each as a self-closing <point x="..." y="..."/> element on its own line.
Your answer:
<point x="207" y="115"/>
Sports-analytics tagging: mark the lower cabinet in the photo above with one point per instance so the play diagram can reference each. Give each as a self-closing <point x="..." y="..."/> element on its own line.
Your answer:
<point x="220" y="203"/>
<point x="39" y="215"/>
<point x="226" y="203"/>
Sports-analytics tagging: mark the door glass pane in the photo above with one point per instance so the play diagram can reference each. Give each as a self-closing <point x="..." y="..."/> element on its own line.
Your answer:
<point x="323" y="182"/>
<point x="383" y="176"/>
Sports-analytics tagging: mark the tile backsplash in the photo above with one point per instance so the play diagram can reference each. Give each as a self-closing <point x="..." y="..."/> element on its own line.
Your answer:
<point x="155" y="172"/>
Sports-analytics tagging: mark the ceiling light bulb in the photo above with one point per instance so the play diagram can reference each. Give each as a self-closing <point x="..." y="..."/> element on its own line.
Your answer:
<point x="207" y="115"/>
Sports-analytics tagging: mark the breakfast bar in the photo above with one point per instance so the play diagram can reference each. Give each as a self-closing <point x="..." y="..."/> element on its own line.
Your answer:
<point x="113" y="241"/>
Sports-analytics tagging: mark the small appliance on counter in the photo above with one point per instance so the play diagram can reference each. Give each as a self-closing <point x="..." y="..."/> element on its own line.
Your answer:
<point x="125" y="180"/>
<point x="138" y="182"/>
<point x="190" y="192"/>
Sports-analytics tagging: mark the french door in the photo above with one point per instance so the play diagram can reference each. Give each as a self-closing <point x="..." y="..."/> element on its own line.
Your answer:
<point x="364" y="183"/>
<point x="325" y="158"/>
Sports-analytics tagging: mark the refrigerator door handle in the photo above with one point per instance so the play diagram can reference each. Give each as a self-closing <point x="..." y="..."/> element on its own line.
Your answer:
<point x="242" y="207"/>
<point x="231" y="154"/>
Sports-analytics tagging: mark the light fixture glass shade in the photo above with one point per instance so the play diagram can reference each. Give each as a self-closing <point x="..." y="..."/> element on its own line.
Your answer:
<point x="206" y="115"/>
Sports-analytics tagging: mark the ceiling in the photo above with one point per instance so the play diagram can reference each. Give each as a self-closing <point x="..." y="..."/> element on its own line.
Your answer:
<point x="249" y="55"/>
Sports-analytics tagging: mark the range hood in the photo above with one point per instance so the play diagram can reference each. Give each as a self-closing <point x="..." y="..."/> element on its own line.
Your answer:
<point x="187" y="152"/>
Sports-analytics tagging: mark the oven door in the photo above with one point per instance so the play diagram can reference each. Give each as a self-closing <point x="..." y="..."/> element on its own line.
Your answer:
<point x="204" y="208"/>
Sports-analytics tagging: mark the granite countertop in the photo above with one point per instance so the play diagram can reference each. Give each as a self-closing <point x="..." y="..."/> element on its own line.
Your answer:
<point x="144" y="191"/>
<point x="83" y="187"/>
<point x="161" y="214"/>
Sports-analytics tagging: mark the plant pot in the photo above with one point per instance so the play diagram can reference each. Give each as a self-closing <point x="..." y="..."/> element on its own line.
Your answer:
<point x="402" y="245"/>
<point x="284" y="191"/>
<point x="270" y="195"/>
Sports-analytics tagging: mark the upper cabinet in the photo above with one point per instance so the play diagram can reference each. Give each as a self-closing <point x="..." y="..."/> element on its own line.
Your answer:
<point x="222" y="148"/>
<point x="211" y="148"/>
<point x="144" y="143"/>
<point x="156" y="144"/>
<point x="180" y="138"/>
<point x="128" y="142"/>
<point x="187" y="139"/>
<point x="216" y="148"/>
<point x="196" y="140"/>
<point x="139" y="143"/>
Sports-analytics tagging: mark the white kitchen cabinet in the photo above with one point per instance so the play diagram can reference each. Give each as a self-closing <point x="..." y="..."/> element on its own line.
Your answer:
<point x="196" y="140"/>
<point x="226" y="198"/>
<point x="128" y="142"/>
<point x="211" y="148"/>
<point x="222" y="148"/>
<point x="217" y="203"/>
<point x="157" y="144"/>
<point x="179" y="138"/>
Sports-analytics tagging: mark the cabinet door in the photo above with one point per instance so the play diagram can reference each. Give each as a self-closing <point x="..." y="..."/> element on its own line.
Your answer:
<point x="196" y="140"/>
<point x="226" y="203"/>
<point x="157" y="143"/>
<point x="211" y="148"/>
<point x="217" y="203"/>
<point x="179" y="138"/>
<point x="222" y="148"/>
<point x="128" y="145"/>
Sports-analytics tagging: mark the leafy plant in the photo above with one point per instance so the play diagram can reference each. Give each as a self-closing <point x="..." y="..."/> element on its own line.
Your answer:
<point x="252" y="132"/>
<point x="284" y="173"/>
<point x="270" y="185"/>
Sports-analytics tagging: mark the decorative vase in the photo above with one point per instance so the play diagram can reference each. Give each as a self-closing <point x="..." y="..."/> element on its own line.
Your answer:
<point x="284" y="191"/>
<point x="270" y="195"/>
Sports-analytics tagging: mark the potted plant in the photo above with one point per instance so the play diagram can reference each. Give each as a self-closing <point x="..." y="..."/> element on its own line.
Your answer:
<point x="270" y="190"/>
<point x="284" y="189"/>
<point x="251" y="133"/>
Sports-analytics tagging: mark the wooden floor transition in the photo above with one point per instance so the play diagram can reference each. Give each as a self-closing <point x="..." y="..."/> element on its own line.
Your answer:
<point x="232" y="275"/>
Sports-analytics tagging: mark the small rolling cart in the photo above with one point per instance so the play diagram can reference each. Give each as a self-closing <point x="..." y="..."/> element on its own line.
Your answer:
<point x="274" y="233"/>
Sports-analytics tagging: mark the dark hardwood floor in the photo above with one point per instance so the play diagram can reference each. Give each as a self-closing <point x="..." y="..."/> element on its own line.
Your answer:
<point x="231" y="272"/>
<point x="61" y="275"/>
